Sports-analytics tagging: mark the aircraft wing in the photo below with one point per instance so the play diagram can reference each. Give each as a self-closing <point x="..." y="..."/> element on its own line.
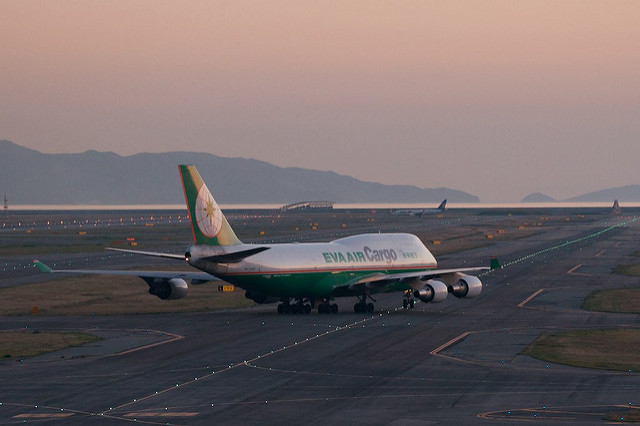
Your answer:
<point x="149" y="253"/>
<point x="431" y="273"/>
<point x="194" y="276"/>
<point x="378" y="282"/>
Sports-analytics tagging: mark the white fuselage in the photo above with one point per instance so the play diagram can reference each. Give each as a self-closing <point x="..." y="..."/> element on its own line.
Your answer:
<point x="320" y="266"/>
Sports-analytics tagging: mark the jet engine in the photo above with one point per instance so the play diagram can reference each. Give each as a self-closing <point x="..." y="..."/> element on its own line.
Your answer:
<point x="466" y="286"/>
<point x="168" y="289"/>
<point x="434" y="291"/>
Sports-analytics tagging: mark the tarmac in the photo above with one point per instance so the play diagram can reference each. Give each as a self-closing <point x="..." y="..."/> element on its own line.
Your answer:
<point x="458" y="362"/>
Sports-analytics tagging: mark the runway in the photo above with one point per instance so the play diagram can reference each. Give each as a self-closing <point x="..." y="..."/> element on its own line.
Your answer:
<point x="456" y="362"/>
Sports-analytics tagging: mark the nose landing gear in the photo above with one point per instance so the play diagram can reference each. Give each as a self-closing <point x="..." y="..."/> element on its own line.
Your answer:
<point x="408" y="302"/>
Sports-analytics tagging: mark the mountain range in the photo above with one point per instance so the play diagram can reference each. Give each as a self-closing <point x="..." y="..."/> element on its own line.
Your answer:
<point x="31" y="177"/>
<point x="95" y="178"/>
<point x="629" y="193"/>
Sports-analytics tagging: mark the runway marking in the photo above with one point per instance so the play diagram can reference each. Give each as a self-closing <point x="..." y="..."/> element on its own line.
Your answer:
<point x="394" y="396"/>
<point x="245" y="363"/>
<point x="174" y="338"/>
<point x="450" y="343"/>
<point x="565" y="414"/>
<point x="528" y="299"/>
<point x="573" y="270"/>
<point x="161" y="414"/>
<point x="601" y="253"/>
<point x="43" y="416"/>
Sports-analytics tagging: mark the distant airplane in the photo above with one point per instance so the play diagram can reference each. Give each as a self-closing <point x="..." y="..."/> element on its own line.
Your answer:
<point x="300" y="275"/>
<point x="420" y="212"/>
<point x="616" y="208"/>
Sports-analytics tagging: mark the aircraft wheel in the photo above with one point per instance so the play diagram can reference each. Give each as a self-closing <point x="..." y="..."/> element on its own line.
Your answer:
<point x="334" y="309"/>
<point x="307" y="309"/>
<point x="405" y="303"/>
<point x="370" y="307"/>
<point x="281" y="308"/>
<point x="412" y="303"/>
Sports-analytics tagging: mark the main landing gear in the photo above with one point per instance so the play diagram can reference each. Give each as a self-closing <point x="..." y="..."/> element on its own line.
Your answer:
<point x="302" y="306"/>
<point x="408" y="302"/>
<point x="326" y="307"/>
<point x="362" y="307"/>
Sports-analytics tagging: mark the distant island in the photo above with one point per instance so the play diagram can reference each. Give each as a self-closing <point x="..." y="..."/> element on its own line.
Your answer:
<point x="537" y="197"/>
<point x="96" y="178"/>
<point x="630" y="193"/>
<point x="622" y="193"/>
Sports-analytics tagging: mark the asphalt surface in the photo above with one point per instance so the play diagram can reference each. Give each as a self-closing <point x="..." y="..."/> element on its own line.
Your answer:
<point x="457" y="362"/>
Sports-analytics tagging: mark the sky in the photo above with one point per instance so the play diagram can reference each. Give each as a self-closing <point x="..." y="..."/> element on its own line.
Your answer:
<point x="498" y="98"/>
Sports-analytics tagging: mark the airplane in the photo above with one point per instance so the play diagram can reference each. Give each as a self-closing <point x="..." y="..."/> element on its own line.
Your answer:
<point x="420" y="212"/>
<point x="300" y="276"/>
<point x="615" y="210"/>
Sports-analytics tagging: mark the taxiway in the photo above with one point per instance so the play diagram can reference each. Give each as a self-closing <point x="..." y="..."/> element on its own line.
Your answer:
<point x="452" y="363"/>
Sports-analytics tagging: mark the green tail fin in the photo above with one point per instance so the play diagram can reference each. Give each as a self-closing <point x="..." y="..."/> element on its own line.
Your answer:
<point x="208" y="224"/>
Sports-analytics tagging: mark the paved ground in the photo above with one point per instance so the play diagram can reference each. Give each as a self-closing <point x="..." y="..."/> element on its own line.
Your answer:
<point x="453" y="363"/>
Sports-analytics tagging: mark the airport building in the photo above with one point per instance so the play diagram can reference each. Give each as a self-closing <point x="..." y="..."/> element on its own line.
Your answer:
<point x="308" y="205"/>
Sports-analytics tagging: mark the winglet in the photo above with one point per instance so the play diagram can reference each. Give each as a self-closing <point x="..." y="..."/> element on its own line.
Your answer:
<point x="494" y="263"/>
<point x="42" y="267"/>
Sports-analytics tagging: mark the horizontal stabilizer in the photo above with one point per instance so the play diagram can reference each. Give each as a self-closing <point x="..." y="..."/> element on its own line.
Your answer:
<point x="236" y="256"/>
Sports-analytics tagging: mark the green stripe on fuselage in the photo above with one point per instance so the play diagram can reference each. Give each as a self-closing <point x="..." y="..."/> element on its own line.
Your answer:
<point x="308" y="284"/>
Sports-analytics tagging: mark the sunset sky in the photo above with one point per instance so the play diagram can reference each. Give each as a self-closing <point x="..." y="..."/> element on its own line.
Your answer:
<point x="496" y="98"/>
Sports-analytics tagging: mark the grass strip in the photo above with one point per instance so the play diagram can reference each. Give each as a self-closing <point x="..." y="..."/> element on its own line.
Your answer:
<point x="628" y="416"/>
<point x="109" y="295"/>
<point x="622" y="300"/>
<point x="608" y="349"/>
<point x="28" y="343"/>
<point x="631" y="270"/>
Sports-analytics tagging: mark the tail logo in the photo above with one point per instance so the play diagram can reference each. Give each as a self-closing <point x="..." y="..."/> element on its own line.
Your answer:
<point x="208" y="214"/>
